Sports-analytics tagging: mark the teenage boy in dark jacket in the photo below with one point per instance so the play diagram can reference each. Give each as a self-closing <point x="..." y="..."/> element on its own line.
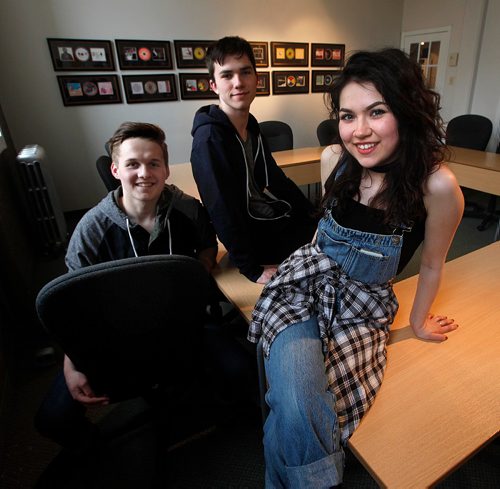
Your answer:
<point x="259" y="214"/>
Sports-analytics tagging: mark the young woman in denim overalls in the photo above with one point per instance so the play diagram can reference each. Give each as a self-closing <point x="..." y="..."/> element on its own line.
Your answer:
<point x="325" y="316"/>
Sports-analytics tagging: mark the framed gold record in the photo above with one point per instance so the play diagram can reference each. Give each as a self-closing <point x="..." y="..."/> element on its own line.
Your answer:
<point x="289" y="54"/>
<point x="191" y="54"/>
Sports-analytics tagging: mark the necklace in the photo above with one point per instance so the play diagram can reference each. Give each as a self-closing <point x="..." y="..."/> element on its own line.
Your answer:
<point x="385" y="168"/>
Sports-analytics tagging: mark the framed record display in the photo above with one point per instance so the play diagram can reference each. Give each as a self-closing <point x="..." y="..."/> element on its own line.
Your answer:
<point x="263" y="83"/>
<point x="195" y="86"/>
<point x="144" y="55"/>
<point x="81" y="54"/>
<point x="327" y="54"/>
<point x="288" y="82"/>
<point x="90" y="90"/>
<point x="191" y="54"/>
<point x="289" y="54"/>
<point x="149" y="88"/>
<point x="260" y="53"/>
<point x="322" y="80"/>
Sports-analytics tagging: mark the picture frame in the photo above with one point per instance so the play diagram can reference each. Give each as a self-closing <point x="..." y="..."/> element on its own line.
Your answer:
<point x="289" y="53"/>
<point x="191" y="54"/>
<point x="290" y="82"/>
<point x="327" y="54"/>
<point x="195" y="86"/>
<point x="81" y="54"/>
<point x="144" y="55"/>
<point x="89" y="89"/>
<point x="263" y="84"/>
<point x="322" y="80"/>
<point x="150" y="88"/>
<point x="260" y="53"/>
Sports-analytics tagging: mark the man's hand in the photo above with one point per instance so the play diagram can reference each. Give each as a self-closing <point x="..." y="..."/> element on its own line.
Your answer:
<point x="269" y="271"/>
<point x="79" y="386"/>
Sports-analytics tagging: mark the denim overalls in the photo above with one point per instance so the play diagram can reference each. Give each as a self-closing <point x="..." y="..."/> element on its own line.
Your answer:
<point x="365" y="257"/>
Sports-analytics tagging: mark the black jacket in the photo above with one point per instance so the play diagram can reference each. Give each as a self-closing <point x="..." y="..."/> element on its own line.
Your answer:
<point x="220" y="171"/>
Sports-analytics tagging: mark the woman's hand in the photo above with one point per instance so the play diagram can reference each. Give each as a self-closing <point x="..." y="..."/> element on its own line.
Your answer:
<point x="435" y="327"/>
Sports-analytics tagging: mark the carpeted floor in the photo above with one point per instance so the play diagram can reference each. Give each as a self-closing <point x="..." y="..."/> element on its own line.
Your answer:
<point x="227" y="456"/>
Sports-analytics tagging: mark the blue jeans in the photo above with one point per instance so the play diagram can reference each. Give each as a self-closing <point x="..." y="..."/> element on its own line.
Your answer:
<point x="301" y="434"/>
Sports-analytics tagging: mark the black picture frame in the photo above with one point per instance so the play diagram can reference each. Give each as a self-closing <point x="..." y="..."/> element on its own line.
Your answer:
<point x="89" y="89"/>
<point x="263" y="84"/>
<point x="195" y="86"/>
<point x="260" y="53"/>
<point x="81" y="54"/>
<point x="290" y="82"/>
<point x="331" y="55"/>
<point x="150" y="88"/>
<point x="289" y="53"/>
<point x="322" y="80"/>
<point x="144" y="55"/>
<point x="191" y="54"/>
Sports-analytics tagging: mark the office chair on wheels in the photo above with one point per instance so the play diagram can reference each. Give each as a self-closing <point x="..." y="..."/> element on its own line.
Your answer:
<point x="117" y="321"/>
<point x="278" y="134"/>
<point x="131" y="326"/>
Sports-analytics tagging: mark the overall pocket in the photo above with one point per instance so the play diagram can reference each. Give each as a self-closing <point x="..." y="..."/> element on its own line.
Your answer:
<point x="370" y="264"/>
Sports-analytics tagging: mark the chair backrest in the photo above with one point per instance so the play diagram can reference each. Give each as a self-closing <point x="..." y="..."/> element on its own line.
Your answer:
<point x="469" y="131"/>
<point x="278" y="134"/>
<point x="116" y="320"/>
<point x="328" y="132"/>
<point x="103" y="165"/>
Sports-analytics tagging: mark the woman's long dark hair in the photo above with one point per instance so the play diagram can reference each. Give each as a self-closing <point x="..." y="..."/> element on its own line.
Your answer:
<point x="421" y="135"/>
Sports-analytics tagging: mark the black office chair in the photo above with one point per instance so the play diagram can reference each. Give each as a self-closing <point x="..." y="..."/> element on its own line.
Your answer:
<point x="473" y="132"/>
<point x="328" y="132"/>
<point x="491" y="215"/>
<point x="278" y="134"/>
<point x="129" y="324"/>
<point x="103" y="165"/>
<point x="469" y="131"/>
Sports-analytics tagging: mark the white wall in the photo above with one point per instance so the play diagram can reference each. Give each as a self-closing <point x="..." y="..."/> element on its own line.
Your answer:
<point x="73" y="136"/>
<point x="473" y="86"/>
<point x="486" y="96"/>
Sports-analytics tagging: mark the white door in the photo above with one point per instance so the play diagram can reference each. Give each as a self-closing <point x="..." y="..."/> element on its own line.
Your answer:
<point x="429" y="48"/>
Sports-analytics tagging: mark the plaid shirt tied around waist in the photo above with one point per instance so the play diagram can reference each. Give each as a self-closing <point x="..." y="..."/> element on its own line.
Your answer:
<point x="353" y="319"/>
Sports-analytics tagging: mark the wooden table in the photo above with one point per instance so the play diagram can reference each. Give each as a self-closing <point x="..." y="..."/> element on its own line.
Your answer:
<point x="302" y="165"/>
<point x="479" y="170"/>
<point x="439" y="402"/>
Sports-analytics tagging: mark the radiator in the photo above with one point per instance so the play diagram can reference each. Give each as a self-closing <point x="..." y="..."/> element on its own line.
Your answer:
<point x="42" y="199"/>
